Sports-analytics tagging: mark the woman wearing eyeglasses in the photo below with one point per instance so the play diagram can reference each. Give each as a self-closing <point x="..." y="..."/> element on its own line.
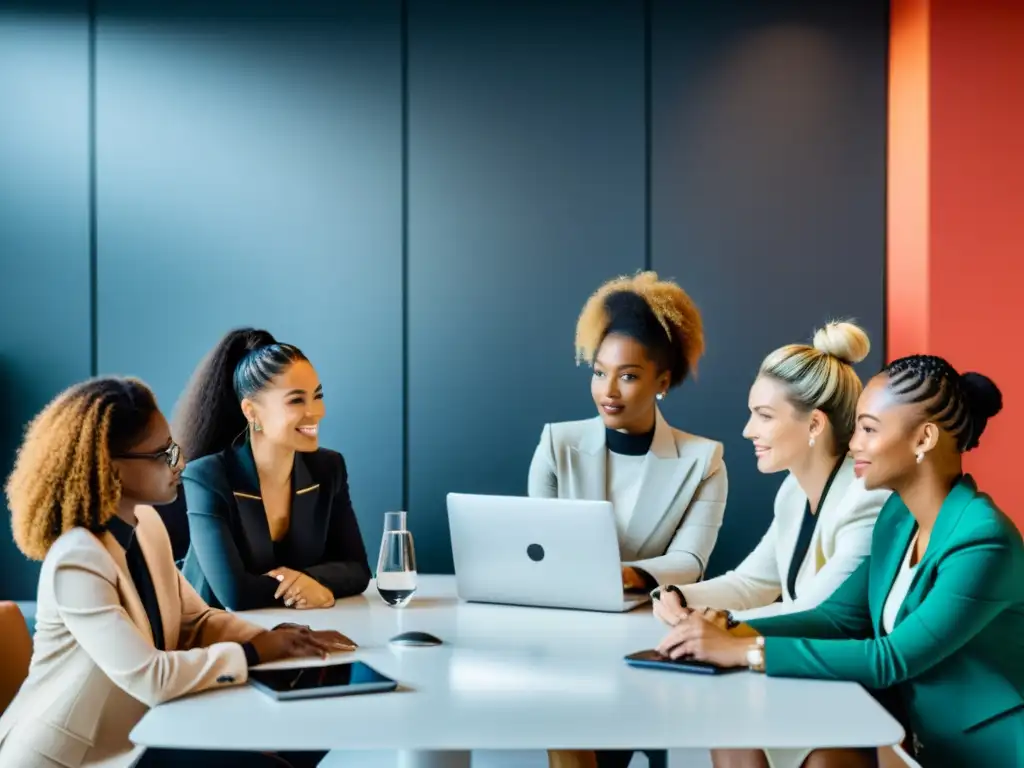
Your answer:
<point x="269" y="512"/>
<point x="118" y="629"/>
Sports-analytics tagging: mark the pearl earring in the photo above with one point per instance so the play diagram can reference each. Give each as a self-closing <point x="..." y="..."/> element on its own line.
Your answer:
<point x="810" y="442"/>
<point x="920" y="456"/>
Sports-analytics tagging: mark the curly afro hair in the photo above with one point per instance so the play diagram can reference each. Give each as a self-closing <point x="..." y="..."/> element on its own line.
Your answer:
<point x="657" y="313"/>
<point x="63" y="477"/>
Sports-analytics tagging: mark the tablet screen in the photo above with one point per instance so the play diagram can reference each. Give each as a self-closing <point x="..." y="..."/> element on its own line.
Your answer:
<point x="311" y="678"/>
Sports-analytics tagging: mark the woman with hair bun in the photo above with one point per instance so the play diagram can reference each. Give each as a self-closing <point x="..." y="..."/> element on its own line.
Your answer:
<point x="935" y="614"/>
<point x="642" y="336"/>
<point x="803" y="405"/>
<point x="270" y="518"/>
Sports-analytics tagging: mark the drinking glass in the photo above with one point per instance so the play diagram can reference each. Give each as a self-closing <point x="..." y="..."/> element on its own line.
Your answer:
<point x="396" y="566"/>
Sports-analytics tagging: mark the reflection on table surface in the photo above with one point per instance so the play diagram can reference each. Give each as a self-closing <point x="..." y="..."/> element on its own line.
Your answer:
<point x="516" y="678"/>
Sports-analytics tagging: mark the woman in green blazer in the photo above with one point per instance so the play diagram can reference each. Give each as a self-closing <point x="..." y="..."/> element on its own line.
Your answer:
<point x="935" y="614"/>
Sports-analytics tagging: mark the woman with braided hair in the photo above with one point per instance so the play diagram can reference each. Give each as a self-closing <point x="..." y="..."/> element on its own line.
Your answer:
<point x="935" y="616"/>
<point x="269" y="512"/>
<point x="642" y="336"/>
<point x="118" y="629"/>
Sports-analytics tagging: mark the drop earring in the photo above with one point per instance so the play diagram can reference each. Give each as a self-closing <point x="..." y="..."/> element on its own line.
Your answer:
<point x="810" y="443"/>
<point x="256" y="427"/>
<point x="920" y="456"/>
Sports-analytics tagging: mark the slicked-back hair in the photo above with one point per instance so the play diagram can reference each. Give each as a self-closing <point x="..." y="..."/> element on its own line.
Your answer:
<point x="208" y="416"/>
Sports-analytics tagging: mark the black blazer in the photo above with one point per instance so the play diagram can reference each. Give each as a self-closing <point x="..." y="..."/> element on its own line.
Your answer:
<point x="231" y="549"/>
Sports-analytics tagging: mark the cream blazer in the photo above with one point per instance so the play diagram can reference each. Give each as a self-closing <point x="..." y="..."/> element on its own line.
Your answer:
<point x="95" y="670"/>
<point x="841" y="540"/>
<point x="681" y="502"/>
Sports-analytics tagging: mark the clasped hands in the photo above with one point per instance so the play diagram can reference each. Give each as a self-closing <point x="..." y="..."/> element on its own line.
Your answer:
<point x="299" y="590"/>
<point x="698" y="633"/>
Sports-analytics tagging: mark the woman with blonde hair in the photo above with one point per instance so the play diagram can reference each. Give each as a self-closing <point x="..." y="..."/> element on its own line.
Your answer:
<point x="936" y="610"/>
<point x="802" y="409"/>
<point x="118" y="629"/>
<point x="642" y="336"/>
<point x="802" y="406"/>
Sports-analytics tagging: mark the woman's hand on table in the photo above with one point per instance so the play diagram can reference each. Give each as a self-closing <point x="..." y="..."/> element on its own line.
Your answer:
<point x="669" y="608"/>
<point x="294" y="642"/>
<point x="696" y="638"/>
<point x="298" y="590"/>
<point x="713" y="616"/>
<point x="632" y="580"/>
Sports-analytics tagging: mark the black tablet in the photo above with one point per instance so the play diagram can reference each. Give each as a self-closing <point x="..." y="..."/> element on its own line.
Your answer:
<point x="654" y="660"/>
<point x="345" y="679"/>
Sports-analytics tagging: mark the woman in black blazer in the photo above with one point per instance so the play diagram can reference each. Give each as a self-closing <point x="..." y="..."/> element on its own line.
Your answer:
<point x="269" y="513"/>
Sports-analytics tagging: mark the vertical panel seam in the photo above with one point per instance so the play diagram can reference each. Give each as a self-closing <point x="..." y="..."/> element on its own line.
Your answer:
<point x="648" y="259"/>
<point x="404" y="26"/>
<point x="885" y="193"/>
<point x="93" y="263"/>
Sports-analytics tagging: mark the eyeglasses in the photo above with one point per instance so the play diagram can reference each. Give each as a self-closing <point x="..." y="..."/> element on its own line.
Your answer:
<point x="171" y="454"/>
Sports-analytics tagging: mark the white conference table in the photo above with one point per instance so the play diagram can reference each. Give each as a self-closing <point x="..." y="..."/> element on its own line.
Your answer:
<point x="512" y="678"/>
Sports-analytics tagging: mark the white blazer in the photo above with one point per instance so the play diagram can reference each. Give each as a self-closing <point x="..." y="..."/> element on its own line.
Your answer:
<point x="841" y="540"/>
<point x="95" y="668"/>
<point x="681" y="502"/>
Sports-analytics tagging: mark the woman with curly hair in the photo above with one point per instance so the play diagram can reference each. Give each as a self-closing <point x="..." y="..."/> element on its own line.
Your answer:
<point x="118" y="630"/>
<point x="269" y="512"/>
<point x="642" y="336"/>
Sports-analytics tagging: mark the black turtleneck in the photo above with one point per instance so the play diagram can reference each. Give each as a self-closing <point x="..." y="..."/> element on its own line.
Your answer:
<point x="627" y="444"/>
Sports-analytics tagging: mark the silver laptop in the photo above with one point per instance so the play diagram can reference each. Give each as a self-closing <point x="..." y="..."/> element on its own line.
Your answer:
<point x="551" y="553"/>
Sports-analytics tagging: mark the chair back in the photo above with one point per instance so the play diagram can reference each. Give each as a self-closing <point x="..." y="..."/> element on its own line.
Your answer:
<point x="15" y="652"/>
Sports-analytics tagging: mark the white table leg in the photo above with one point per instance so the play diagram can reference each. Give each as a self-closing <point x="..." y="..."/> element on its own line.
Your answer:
<point x="433" y="759"/>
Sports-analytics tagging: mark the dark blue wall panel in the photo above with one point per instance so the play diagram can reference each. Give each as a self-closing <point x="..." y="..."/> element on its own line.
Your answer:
<point x="44" y="228"/>
<point x="249" y="172"/>
<point x="526" y="191"/>
<point x="768" y="199"/>
<point x="250" y="162"/>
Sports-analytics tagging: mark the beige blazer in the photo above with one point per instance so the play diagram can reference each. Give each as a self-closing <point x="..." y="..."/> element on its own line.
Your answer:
<point x="841" y="540"/>
<point x="95" y="670"/>
<point x="681" y="502"/>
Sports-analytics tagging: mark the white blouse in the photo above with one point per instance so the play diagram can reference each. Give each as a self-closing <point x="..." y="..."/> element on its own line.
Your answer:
<point x="623" y="479"/>
<point x="900" y="587"/>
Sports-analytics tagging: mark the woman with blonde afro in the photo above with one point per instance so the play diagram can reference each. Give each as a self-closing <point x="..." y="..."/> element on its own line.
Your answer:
<point x="642" y="337"/>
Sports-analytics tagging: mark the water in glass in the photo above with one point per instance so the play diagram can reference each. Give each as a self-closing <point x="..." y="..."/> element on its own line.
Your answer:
<point x="396" y="567"/>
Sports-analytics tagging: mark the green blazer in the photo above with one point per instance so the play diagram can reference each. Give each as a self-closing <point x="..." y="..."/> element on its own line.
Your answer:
<point x="956" y="652"/>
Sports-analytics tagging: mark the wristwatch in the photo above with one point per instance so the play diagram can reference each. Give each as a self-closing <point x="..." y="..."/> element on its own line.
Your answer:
<point x="755" y="655"/>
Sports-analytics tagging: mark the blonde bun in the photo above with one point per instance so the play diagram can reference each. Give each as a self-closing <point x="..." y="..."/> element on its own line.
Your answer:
<point x="844" y="341"/>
